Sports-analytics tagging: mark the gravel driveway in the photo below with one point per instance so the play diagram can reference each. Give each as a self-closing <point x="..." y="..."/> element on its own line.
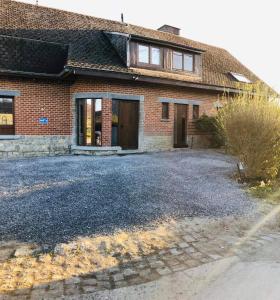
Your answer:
<point x="52" y="200"/>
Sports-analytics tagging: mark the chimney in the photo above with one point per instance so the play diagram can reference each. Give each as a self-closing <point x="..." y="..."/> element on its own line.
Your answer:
<point x="170" y="29"/>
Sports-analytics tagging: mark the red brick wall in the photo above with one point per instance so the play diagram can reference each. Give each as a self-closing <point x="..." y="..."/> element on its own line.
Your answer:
<point x="106" y="122"/>
<point x="40" y="98"/>
<point x="153" y="109"/>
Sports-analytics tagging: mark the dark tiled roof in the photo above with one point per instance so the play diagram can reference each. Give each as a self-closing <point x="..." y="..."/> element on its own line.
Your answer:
<point x="90" y="48"/>
<point x="25" y="55"/>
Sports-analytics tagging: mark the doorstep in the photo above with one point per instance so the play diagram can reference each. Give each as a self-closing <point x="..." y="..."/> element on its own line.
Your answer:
<point x="126" y="152"/>
<point x="91" y="150"/>
<point x="9" y="137"/>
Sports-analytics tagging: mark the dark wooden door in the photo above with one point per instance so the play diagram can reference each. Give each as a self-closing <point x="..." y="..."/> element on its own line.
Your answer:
<point x="128" y="124"/>
<point x="180" y="125"/>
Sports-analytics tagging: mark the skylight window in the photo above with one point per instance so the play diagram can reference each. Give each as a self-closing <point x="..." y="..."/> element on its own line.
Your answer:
<point x="240" y="77"/>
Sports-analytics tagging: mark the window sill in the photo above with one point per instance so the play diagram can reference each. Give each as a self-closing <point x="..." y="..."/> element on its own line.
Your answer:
<point x="9" y="137"/>
<point x="165" y="120"/>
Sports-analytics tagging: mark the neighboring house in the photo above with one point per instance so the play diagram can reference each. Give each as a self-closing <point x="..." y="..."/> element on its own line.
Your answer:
<point x="70" y="81"/>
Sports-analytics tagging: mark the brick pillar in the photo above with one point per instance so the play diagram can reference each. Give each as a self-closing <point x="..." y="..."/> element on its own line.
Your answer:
<point x="106" y="122"/>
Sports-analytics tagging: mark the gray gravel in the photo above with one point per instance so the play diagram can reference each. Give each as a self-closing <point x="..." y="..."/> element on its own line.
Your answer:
<point x="51" y="200"/>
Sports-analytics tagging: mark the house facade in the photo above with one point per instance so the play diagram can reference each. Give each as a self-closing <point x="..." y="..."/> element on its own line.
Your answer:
<point x="71" y="83"/>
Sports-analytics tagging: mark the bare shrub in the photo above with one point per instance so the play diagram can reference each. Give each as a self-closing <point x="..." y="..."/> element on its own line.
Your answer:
<point x="250" y="123"/>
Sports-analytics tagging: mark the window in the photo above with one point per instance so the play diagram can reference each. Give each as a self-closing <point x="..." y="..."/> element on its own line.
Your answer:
<point x="188" y="62"/>
<point x="155" y="56"/>
<point x="195" y="112"/>
<point x="143" y="54"/>
<point x="90" y="122"/>
<point x="182" y="61"/>
<point x="240" y="78"/>
<point x="7" y="116"/>
<point x="177" y="61"/>
<point x="149" y="55"/>
<point x="165" y="111"/>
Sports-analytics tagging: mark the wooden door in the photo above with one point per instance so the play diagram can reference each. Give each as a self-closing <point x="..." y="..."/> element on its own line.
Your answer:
<point x="180" y="125"/>
<point x="128" y="126"/>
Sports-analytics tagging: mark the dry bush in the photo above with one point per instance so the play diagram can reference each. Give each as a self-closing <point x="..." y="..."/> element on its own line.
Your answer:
<point x="250" y="123"/>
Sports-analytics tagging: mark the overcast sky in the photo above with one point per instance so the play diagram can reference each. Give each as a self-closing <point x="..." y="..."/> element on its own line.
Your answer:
<point x="249" y="29"/>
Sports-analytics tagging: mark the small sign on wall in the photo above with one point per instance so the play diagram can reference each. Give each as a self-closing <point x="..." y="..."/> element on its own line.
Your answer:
<point x="44" y="121"/>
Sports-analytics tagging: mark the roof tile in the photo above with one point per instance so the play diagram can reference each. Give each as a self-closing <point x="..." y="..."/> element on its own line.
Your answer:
<point x="90" y="48"/>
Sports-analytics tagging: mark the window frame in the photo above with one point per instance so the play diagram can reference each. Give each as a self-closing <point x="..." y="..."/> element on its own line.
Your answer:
<point x="12" y="127"/>
<point x="183" y="62"/>
<point x="150" y="47"/>
<point x="195" y="114"/>
<point x="165" y="115"/>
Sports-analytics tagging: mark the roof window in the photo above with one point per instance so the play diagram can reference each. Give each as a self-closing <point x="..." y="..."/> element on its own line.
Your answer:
<point x="240" y="77"/>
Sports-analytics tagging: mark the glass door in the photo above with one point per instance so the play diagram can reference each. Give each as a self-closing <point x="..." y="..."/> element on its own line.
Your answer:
<point x="89" y="121"/>
<point x="7" y="116"/>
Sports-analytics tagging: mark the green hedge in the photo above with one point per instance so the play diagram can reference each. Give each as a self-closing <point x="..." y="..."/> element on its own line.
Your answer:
<point x="209" y="125"/>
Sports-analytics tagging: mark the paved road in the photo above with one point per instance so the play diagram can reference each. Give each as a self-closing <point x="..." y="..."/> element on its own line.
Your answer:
<point x="52" y="200"/>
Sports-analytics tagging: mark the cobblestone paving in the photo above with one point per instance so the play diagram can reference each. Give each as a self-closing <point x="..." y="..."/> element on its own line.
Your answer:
<point x="192" y="246"/>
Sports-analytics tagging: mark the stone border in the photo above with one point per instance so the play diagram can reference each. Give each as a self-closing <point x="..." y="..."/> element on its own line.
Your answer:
<point x="194" y="248"/>
<point x="9" y="93"/>
<point x="180" y="101"/>
<point x="110" y="96"/>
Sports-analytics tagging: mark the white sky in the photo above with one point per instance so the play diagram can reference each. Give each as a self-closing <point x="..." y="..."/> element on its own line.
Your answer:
<point x="249" y="29"/>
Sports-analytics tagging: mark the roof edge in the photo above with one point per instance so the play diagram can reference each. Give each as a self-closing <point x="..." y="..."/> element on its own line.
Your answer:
<point x="149" y="79"/>
<point x="60" y="75"/>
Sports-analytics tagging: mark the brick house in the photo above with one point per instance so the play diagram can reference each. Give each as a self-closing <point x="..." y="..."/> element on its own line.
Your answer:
<point x="71" y="82"/>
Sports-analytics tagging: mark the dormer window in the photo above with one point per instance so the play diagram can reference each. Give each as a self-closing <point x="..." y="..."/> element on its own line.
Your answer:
<point x="143" y="54"/>
<point x="182" y="62"/>
<point x="155" y="56"/>
<point x="149" y="55"/>
<point x="164" y="58"/>
<point x="177" y="60"/>
<point x="188" y="62"/>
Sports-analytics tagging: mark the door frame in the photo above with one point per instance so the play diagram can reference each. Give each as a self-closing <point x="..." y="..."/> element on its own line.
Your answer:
<point x="185" y="144"/>
<point x="108" y="96"/>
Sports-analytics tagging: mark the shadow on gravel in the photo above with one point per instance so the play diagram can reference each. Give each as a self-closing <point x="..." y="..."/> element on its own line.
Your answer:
<point x="55" y="200"/>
